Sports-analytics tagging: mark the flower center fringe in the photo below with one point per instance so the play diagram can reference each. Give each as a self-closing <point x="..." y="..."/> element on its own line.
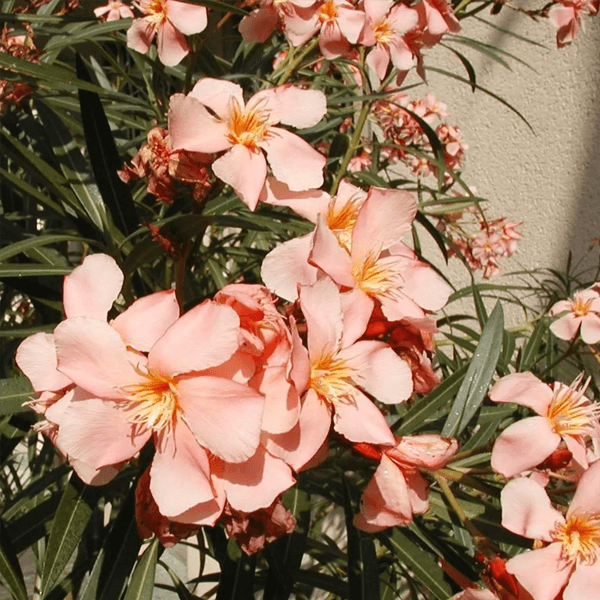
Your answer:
<point x="331" y="378"/>
<point x="378" y="277"/>
<point x="570" y="412"/>
<point x="580" y="538"/>
<point x="247" y="127"/>
<point x="153" y="403"/>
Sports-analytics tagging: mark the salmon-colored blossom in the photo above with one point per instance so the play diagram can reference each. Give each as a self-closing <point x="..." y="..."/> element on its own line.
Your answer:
<point x="171" y="21"/>
<point x="246" y="131"/>
<point x="568" y="564"/>
<point x="579" y="314"/>
<point x="113" y="11"/>
<point x="567" y="17"/>
<point x="397" y="490"/>
<point x="564" y="413"/>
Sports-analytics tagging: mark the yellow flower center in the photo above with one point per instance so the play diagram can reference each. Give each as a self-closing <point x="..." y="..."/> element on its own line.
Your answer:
<point x="156" y="11"/>
<point x="153" y="403"/>
<point x="383" y="32"/>
<point x="376" y="276"/>
<point x="328" y="12"/>
<point x="570" y="412"/>
<point x="580" y="307"/>
<point x="331" y="378"/>
<point x="341" y="219"/>
<point x="247" y="127"/>
<point x="580" y="538"/>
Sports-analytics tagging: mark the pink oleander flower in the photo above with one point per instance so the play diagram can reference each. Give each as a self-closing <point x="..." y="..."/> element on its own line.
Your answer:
<point x="113" y="11"/>
<point x="246" y="131"/>
<point x="438" y="18"/>
<point x="337" y="368"/>
<point x="580" y="314"/>
<point x="568" y="565"/>
<point x="397" y="490"/>
<point x="89" y="290"/>
<point x="273" y="14"/>
<point x="253" y="531"/>
<point x="171" y="21"/>
<point x="387" y="23"/>
<point x="376" y="264"/>
<point x="564" y="414"/>
<point x="338" y="23"/>
<point x="567" y="17"/>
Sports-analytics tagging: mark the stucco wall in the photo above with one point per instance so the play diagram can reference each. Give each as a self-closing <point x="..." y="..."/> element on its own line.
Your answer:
<point x="550" y="178"/>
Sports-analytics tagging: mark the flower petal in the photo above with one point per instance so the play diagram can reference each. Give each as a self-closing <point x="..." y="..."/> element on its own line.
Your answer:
<point x="245" y="171"/>
<point x="291" y="105"/>
<point x="584" y="582"/>
<point x="91" y="288"/>
<point x="180" y="459"/>
<point x="193" y="128"/>
<point x="527" y="510"/>
<point x="217" y="94"/>
<point x="257" y="482"/>
<point x="590" y="328"/>
<point x="380" y="371"/>
<point x="361" y="421"/>
<point x="187" y="18"/>
<point x="92" y="354"/>
<point x="140" y="35"/>
<point x="172" y="45"/>
<point x="216" y="408"/>
<point x="204" y="337"/>
<point x="293" y="160"/>
<point x="524" y="389"/>
<point x="524" y="445"/>
<point x="147" y="319"/>
<point x="36" y="357"/>
<point x="97" y="433"/>
<point x="328" y="255"/>
<point x="286" y="267"/>
<point x="588" y="491"/>
<point x="541" y="572"/>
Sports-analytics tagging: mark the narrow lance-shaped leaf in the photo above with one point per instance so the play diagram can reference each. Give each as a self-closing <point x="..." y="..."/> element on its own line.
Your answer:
<point x="363" y="569"/>
<point x="480" y="372"/>
<point x="104" y="157"/>
<point x="285" y="555"/>
<point x="72" y="516"/>
<point x="422" y="565"/>
<point x="142" y="580"/>
<point x="13" y="392"/>
<point x="74" y="166"/>
<point x="10" y="570"/>
<point x="117" y="556"/>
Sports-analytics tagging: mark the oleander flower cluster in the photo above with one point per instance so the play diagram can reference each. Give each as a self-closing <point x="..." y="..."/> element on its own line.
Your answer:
<point x="480" y="241"/>
<point x="405" y="141"/>
<point x="578" y="315"/>
<point x="233" y="398"/>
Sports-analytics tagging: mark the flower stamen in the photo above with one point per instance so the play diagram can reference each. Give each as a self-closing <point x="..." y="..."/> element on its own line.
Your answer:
<point x="570" y="412"/>
<point x="331" y="378"/>
<point x="580" y="538"/>
<point x="153" y="403"/>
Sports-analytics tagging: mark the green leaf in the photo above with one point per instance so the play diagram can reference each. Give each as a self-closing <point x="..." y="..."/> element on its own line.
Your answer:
<point x="467" y="65"/>
<point x="142" y="580"/>
<point x="363" y="568"/>
<point x="117" y="556"/>
<point x="29" y="270"/>
<point x="237" y="578"/>
<point x="322" y="581"/>
<point x="104" y="157"/>
<point x="72" y="516"/>
<point x="13" y="392"/>
<point x="480" y="372"/>
<point x="530" y="354"/>
<point x="285" y="554"/>
<point x="20" y="185"/>
<point x="180" y="589"/>
<point x="436" y="400"/>
<point x="482" y="315"/>
<point x="35" y="242"/>
<point x="74" y="166"/>
<point x="10" y="570"/>
<point x="420" y="563"/>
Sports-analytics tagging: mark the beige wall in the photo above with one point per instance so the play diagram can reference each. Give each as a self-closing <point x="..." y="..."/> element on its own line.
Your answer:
<point x="550" y="179"/>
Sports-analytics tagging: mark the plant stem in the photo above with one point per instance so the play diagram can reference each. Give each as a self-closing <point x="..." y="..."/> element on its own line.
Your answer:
<point x="297" y="60"/>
